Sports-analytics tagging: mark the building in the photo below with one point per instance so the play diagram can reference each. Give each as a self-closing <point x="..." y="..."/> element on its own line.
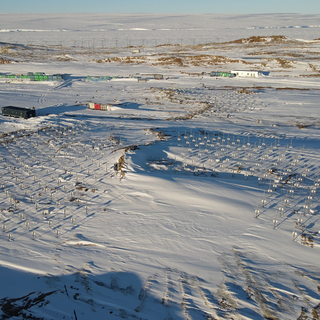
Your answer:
<point x="247" y="73"/>
<point x="222" y="74"/>
<point x="99" y="106"/>
<point x="18" y="112"/>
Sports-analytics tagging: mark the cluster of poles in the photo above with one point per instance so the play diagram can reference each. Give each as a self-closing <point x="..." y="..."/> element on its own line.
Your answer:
<point x="289" y="178"/>
<point x="49" y="178"/>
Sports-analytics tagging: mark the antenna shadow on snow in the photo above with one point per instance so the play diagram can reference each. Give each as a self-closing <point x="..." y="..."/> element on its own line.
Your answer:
<point x="81" y="294"/>
<point x="112" y="295"/>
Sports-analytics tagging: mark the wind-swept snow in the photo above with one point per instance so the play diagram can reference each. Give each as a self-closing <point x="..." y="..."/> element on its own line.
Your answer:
<point x="190" y="197"/>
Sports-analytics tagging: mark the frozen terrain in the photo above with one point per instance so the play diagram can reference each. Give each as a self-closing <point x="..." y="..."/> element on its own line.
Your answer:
<point x="192" y="197"/>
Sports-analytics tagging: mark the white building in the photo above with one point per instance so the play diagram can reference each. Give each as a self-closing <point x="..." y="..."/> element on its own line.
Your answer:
<point x="247" y="73"/>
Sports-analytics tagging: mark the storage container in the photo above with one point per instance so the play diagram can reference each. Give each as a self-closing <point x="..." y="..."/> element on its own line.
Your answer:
<point x="18" y="112"/>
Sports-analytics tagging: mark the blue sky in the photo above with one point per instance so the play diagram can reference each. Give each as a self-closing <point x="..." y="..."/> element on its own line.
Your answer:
<point x="160" y="6"/>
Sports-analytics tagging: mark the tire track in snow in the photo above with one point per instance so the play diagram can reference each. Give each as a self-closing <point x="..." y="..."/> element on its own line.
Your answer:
<point x="232" y="287"/>
<point x="185" y="291"/>
<point x="42" y="100"/>
<point x="165" y="293"/>
<point x="144" y="293"/>
<point x="257" y="287"/>
<point x="192" y="295"/>
<point x="64" y="84"/>
<point x="184" y="302"/>
<point x="256" y="284"/>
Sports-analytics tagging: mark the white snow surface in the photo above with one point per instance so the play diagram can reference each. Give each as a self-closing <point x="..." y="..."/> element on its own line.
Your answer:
<point x="193" y="197"/>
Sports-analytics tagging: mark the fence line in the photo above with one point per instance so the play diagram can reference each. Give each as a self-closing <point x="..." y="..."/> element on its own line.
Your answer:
<point x="104" y="43"/>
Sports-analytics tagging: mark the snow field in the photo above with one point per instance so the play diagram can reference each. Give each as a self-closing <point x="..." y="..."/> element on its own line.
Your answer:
<point x="61" y="189"/>
<point x="192" y="198"/>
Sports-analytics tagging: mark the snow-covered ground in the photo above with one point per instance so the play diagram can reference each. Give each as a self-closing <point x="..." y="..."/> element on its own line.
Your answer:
<point x="193" y="197"/>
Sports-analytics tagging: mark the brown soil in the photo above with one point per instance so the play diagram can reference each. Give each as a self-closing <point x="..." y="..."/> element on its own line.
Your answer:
<point x="119" y="166"/>
<point x="172" y="60"/>
<point x="260" y="39"/>
<point x="4" y="61"/>
<point x="310" y="75"/>
<point x="288" y="88"/>
<point x="191" y="115"/>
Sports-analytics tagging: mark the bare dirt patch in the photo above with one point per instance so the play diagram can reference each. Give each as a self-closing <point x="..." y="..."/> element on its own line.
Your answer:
<point x="261" y="39"/>
<point x="288" y="88"/>
<point x="172" y="60"/>
<point x="313" y="75"/>
<point x="5" y="61"/>
<point x="119" y="167"/>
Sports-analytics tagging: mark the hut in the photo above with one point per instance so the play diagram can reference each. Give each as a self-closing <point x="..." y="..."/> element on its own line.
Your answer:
<point x="18" y="112"/>
<point x="222" y="74"/>
<point x="246" y="73"/>
<point x="99" y="106"/>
